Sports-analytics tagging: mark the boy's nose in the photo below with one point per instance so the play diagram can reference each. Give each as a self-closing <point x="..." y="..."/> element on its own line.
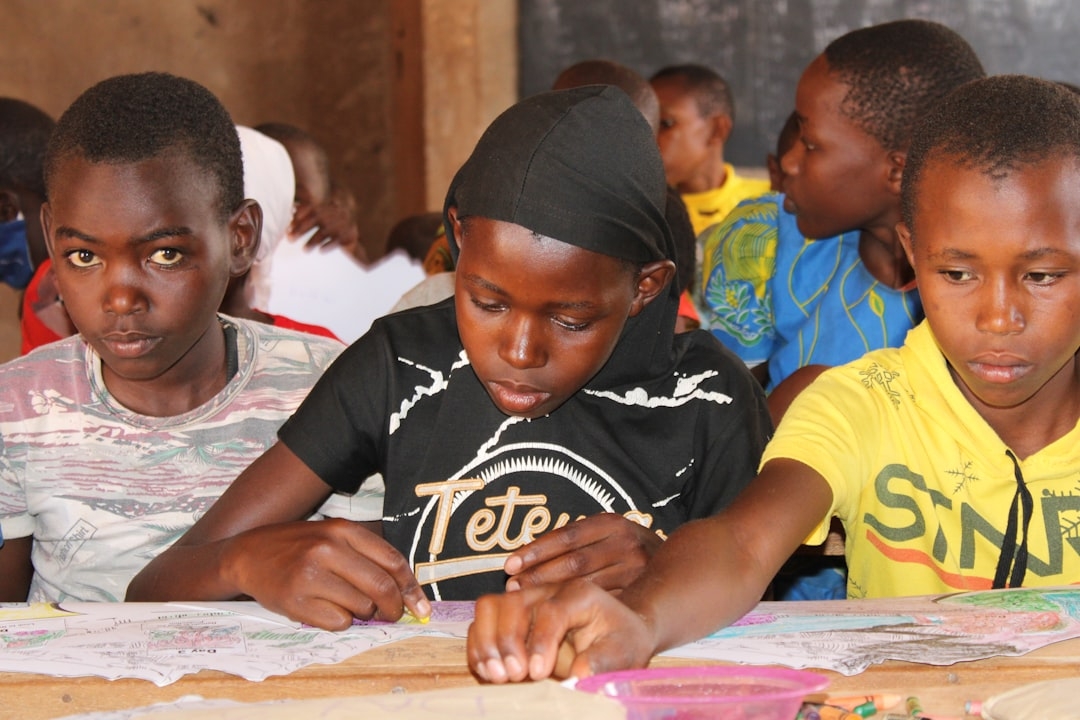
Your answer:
<point x="124" y="297"/>
<point x="522" y="344"/>
<point x="999" y="312"/>
<point x="789" y="161"/>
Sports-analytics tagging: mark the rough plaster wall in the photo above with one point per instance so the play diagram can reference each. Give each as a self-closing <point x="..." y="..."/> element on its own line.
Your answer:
<point x="324" y="66"/>
<point x="470" y="65"/>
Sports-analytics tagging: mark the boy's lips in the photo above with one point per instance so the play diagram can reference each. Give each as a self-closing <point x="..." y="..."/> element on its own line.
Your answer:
<point x="517" y="399"/>
<point x="998" y="369"/>
<point x="129" y="344"/>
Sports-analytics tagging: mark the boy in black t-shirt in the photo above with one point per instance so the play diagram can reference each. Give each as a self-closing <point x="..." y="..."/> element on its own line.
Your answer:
<point x="545" y="423"/>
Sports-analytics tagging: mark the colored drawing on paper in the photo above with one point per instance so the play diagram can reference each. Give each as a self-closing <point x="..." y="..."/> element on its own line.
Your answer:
<point x="850" y="636"/>
<point x="31" y="611"/>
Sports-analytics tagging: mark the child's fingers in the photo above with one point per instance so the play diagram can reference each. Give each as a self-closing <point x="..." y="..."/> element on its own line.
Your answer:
<point x="611" y="552"/>
<point x="383" y="574"/>
<point x="304" y="218"/>
<point x="590" y="632"/>
<point x="496" y="645"/>
<point x="558" y="542"/>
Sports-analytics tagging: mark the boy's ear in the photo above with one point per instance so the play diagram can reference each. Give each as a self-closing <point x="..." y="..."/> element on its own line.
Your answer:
<point x="245" y="229"/>
<point x="455" y="224"/>
<point x="651" y="282"/>
<point x="904" y="234"/>
<point x="9" y="206"/>
<point x="46" y="226"/>
<point x="896" y="160"/>
<point x="721" y="127"/>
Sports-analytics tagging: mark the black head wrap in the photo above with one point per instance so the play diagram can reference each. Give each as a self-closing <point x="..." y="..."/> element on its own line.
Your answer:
<point x="581" y="166"/>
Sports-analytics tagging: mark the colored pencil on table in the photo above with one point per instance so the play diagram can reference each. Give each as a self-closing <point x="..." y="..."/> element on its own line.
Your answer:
<point x="853" y="703"/>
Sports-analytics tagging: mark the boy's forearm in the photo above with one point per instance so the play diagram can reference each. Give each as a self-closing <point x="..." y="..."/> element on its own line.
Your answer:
<point x="697" y="583"/>
<point x="185" y="572"/>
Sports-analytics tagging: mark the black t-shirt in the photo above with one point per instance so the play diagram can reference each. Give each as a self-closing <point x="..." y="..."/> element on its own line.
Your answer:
<point x="467" y="484"/>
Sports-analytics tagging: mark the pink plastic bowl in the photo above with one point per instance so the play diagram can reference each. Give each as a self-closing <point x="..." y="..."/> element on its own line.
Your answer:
<point x="716" y="691"/>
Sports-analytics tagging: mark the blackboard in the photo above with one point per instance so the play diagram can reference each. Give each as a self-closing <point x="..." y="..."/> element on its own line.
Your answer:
<point x="762" y="46"/>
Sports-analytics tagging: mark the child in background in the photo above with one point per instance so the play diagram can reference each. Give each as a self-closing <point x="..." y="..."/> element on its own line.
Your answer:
<point x="268" y="179"/>
<point x="932" y="453"/>
<point x="543" y="424"/>
<point x="116" y="439"/>
<point x="598" y="71"/>
<point x="798" y="282"/>
<point x="322" y="206"/>
<point x="24" y="131"/>
<point x="817" y="277"/>
<point x="697" y="114"/>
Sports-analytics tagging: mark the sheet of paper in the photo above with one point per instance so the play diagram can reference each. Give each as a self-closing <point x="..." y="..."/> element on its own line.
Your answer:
<point x="331" y="288"/>
<point x="162" y="642"/>
<point x="850" y="636"/>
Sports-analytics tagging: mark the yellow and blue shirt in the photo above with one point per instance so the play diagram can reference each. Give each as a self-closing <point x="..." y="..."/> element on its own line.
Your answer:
<point x="772" y="295"/>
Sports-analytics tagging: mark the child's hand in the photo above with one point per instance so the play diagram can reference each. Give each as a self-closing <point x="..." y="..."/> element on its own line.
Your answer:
<point x="575" y="629"/>
<point x="324" y="573"/>
<point x="607" y="549"/>
<point x="335" y="223"/>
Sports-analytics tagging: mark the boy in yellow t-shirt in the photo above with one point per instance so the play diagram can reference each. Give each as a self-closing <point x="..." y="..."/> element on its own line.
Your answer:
<point x="953" y="460"/>
<point x="697" y="114"/>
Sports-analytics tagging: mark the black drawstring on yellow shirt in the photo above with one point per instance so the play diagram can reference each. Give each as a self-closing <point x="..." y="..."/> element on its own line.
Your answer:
<point x="1015" y="554"/>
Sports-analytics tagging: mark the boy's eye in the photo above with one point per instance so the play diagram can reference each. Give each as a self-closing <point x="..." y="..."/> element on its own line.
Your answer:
<point x="166" y="256"/>
<point x="806" y="143"/>
<point x="81" y="258"/>
<point x="1044" y="277"/>
<point x="571" y="325"/>
<point x="486" y="306"/>
<point x="956" y="275"/>
<point x="666" y="123"/>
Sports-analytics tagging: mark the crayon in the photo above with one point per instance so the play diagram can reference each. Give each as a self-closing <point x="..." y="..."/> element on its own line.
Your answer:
<point x="914" y="707"/>
<point x="865" y="705"/>
<point x="827" y="712"/>
<point x="973" y="707"/>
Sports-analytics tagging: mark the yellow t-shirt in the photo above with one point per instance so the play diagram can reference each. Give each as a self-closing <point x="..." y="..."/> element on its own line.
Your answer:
<point x="922" y="483"/>
<point x="712" y="206"/>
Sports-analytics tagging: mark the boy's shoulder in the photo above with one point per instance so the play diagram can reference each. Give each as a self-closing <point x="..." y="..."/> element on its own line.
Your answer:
<point x="424" y="323"/>
<point x="44" y="357"/>
<point x="268" y="356"/>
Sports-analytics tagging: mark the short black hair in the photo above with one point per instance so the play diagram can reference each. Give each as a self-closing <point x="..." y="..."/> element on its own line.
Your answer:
<point x="130" y="118"/>
<point x="995" y="125"/>
<point x="709" y="87"/>
<point x="896" y="72"/>
<point x="24" y="134"/>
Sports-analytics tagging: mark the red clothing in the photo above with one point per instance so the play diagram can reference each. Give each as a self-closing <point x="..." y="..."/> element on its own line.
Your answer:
<point x="284" y="322"/>
<point x="687" y="309"/>
<point x="34" y="332"/>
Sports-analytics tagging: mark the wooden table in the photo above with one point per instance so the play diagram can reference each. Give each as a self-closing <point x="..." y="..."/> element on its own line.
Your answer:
<point x="428" y="663"/>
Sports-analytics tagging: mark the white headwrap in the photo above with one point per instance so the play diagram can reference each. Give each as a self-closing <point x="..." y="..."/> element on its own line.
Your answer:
<point x="269" y="180"/>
